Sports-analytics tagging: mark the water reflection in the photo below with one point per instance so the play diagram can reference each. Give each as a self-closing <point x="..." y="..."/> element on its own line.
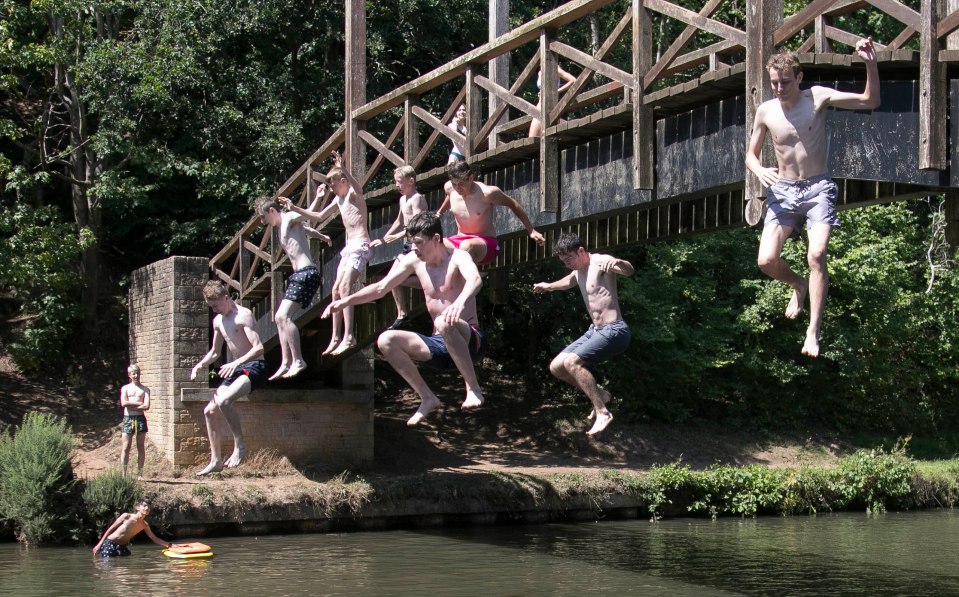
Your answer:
<point x="895" y="554"/>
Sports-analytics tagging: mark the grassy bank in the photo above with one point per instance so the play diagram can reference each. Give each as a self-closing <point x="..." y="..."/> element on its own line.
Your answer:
<point x="872" y="481"/>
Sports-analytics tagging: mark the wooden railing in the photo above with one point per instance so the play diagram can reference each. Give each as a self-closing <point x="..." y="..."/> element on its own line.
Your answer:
<point x="621" y="76"/>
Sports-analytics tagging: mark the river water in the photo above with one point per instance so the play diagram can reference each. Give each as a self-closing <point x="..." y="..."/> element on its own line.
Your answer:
<point x="845" y="554"/>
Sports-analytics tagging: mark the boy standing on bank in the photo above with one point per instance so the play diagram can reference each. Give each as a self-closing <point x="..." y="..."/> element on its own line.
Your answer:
<point x="355" y="254"/>
<point x="411" y="203"/>
<point x="800" y="188"/>
<point x="607" y="336"/>
<point x="135" y="401"/>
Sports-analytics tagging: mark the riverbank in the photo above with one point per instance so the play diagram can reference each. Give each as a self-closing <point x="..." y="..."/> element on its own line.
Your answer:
<point x="511" y="461"/>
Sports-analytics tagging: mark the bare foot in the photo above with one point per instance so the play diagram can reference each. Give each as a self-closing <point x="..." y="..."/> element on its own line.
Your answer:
<point x="794" y="308"/>
<point x="297" y="368"/>
<point x="334" y="342"/>
<point x="214" y="467"/>
<point x="473" y="401"/>
<point x="279" y="372"/>
<point x="426" y="407"/>
<point x="602" y="420"/>
<point x="811" y="347"/>
<point x="345" y="345"/>
<point x="606" y="397"/>
<point x="239" y="453"/>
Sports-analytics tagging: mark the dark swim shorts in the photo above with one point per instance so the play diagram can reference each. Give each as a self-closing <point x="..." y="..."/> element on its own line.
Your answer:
<point x="302" y="285"/>
<point x="440" y="355"/>
<point x="133" y="424"/>
<point x="109" y="549"/>
<point x="255" y="370"/>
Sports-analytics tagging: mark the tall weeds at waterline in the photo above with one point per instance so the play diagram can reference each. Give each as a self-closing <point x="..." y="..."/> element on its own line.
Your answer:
<point x="37" y="488"/>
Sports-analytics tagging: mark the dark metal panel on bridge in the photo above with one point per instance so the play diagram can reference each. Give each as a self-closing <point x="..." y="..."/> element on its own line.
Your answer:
<point x="597" y="177"/>
<point x="880" y="144"/>
<point x="701" y="148"/>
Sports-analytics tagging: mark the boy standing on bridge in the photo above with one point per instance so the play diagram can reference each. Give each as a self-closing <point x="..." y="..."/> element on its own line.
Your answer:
<point x="450" y="282"/>
<point x="236" y="325"/>
<point x="800" y="188"/>
<point x="302" y="284"/>
<point x="355" y="254"/>
<point x="472" y="203"/>
<point x="135" y="400"/>
<point x="411" y="203"/>
<point x="607" y="336"/>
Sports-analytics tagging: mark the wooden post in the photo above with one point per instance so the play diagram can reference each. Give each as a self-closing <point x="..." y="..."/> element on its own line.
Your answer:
<point x="355" y="158"/>
<point x="762" y="18"/>
<point x="548" y="145"/>
<point x="499" y="66"/>
<point x="933" y="102"/>
<point x="644" y="126"/>
<point x="823" y="45"/>
<point x="411" y="132"/>
<point x="474" y="111"/>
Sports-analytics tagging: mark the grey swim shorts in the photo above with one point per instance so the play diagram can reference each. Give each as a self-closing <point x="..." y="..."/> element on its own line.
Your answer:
<point x="789" y="202"/>
<point x="599" y="344"/>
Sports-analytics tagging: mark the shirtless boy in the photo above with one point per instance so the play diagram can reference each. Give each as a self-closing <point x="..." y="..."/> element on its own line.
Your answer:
<point x="800" y="188"/>
<point x="236" y="325"/>
<point x="302" y="284"/>
<point x="608" y="336"/>
<point x="354" y="256"/>
<point x="135" y="401"/>
<point x="472" y="203"/>
<point x="411" y="203"/>
<point x="450" y="282"/>
<point x="119" y="534"/>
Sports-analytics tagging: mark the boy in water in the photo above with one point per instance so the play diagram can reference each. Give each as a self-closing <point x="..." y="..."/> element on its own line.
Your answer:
<point x="119" y="534"/>
<point x="135" y="401"/>
<point x="302" y="284"/>
<point x="608" y="336"/>
<point x="354" y="256"/>
<point x="235" y="325"/>
<point x="411" y="203"/>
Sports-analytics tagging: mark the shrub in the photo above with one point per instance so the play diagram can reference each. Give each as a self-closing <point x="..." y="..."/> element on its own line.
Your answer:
<point x="36" y="479"/>
<point x="876" y="480"/>
<point x="107" y="495"/>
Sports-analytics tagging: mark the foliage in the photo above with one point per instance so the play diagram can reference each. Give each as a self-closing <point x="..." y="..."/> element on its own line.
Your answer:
<point x="108" y="495"/>
<point x="38" y="255"/>
<point x="36" y="479"/>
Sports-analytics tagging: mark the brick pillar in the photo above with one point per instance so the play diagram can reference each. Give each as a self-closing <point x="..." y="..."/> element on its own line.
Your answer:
<point x="169" y="332"/>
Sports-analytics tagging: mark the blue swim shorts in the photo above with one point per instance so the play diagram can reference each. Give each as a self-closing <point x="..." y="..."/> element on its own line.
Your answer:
<point x="600" y="344"/>
<point x="440" y="358"/>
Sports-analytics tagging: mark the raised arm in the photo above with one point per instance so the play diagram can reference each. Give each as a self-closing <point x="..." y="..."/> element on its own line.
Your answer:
<point x="566" y="77"/>
<point x="564" y="283"/>
<point x="608" y="263"/>
<point x="320" y="216"/>
<point x="869" y="98"/>
<point x="498" y="197"/>
<point x="354" y="184"/>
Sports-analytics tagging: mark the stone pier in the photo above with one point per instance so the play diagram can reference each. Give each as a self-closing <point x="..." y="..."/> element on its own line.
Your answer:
<point x="169" y="332"/>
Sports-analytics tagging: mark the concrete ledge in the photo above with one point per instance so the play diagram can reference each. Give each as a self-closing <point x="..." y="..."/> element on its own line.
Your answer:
<point x="285" y="396"/>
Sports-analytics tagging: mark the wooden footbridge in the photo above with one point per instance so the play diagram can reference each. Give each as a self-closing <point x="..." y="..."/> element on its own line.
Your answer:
<point x="647" y="144"/>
